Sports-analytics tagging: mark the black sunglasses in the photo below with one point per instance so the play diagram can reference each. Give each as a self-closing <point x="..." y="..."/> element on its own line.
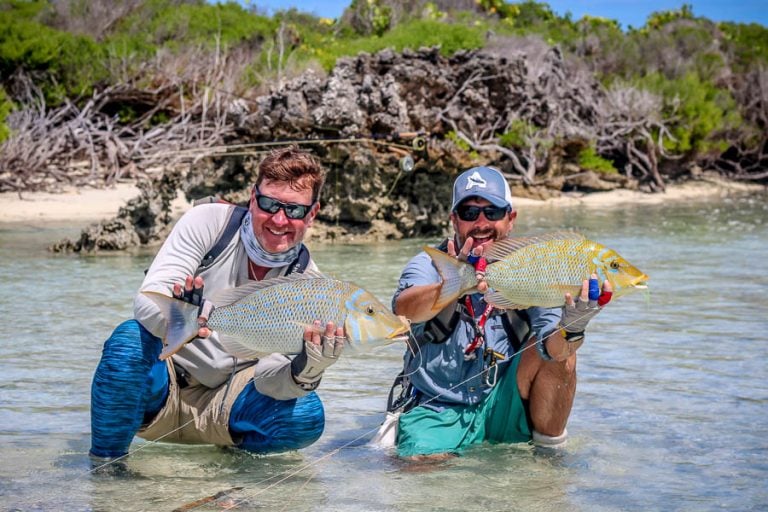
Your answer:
<point x="469" y="213"/>
<point x="272" y="205"/>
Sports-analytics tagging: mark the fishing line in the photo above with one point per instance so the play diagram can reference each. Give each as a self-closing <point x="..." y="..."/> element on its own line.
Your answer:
<point x="308" y="465"/>
<point x="149" y="442"/>
<point x="221" y="150"/>
<point x="145" y="445"/>
<point x="289" y="474"/>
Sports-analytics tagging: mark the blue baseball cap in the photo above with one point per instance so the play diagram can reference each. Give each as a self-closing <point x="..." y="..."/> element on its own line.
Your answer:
<point x="484" y="182"/>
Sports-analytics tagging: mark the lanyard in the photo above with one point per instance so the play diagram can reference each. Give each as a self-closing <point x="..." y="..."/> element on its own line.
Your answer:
<point x="479" y="324"/>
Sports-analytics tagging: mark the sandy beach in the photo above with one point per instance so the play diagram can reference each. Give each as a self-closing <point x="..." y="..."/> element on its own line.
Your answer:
<point x="92" y="204"/>
<point x="71" y="205"/>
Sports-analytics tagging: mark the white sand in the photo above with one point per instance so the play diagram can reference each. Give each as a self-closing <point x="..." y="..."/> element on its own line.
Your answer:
<point x="91" y="205"/>
<point x="79" y="205"/>
<point x="703" y="188"/>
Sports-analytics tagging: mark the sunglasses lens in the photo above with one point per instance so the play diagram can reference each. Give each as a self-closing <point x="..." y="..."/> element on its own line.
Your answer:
<point x="268" y="204"/>
<point x="468" y="213"/>
<point x="471" y="213"/>
<point x="494" y="213"/>
<point x="292" y="211"/>
<point x="295" y="211"/>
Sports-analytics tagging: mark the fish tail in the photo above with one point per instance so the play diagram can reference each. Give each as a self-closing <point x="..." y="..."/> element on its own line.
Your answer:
<point x="457" y="277"/>
<point x="181" y="322"/>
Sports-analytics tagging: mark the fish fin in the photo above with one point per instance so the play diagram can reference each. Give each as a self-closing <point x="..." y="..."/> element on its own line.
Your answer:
<point x="501" y="248"/>
<point x="454" y="281"/>
<point x="180" y="319"/>
<point x="497" y="300"/>
<point x="231" y="295"/>
<point x="238" y="349"/>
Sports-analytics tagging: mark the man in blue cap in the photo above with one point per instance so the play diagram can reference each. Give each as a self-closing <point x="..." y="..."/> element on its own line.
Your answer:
<point x="468" y="378"/>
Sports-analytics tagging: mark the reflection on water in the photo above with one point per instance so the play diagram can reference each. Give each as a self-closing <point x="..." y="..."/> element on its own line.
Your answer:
<point x="670" y="413"/>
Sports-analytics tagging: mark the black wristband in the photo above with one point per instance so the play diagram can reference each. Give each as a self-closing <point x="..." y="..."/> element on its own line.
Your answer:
<point x="573" y="337"/>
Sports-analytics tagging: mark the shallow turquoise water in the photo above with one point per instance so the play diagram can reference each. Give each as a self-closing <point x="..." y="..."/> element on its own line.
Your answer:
<point x="671" y="409"/>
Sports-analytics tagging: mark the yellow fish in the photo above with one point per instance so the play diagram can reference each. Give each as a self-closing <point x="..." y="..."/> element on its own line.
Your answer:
<point x="536" y="271"/>
<point x="269" y="316"/>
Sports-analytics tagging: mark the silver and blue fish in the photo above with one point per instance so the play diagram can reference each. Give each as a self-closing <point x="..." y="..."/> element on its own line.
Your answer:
<point x="264" y="317"/>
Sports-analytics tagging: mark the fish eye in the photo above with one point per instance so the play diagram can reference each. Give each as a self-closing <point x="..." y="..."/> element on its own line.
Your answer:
<point x="615" y="265"/>
<point x="370" y="310"/>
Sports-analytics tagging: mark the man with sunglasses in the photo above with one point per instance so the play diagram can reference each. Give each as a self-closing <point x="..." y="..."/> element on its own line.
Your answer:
<point x="469" y="377"/>
<point x="202" y="394"/>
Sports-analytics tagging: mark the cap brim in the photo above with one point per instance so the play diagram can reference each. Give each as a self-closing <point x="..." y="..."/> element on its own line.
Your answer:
<point x="497" y="201"/>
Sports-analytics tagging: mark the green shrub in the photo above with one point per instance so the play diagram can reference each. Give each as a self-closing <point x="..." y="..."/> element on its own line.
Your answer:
<point x="413" y="35"/>
<point x="517" y="135"/>
<point x="657" y="20"/>
<point x="458" y="141"/>
<point x="6" y="106"/>
<point x="165" y="24"/>
<point x="68" y="64"/>
<point x="747" y="44"/>
<point x="699" y="112"/>
<point x="591" y="161"/>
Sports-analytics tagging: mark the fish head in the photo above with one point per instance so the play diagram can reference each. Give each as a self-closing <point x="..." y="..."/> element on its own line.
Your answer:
<point x="623" y="276"/>
<point x="369" y="320"/>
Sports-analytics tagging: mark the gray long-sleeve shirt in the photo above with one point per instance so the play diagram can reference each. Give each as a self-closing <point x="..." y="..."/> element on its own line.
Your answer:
<point x="205" y="360"/>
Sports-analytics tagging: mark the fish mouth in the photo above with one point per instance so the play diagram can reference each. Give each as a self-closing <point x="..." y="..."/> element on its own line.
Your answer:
<point x="402" y="332"/>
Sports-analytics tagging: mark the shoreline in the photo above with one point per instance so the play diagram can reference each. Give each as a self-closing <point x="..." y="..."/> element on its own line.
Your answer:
<point x="84" y="205"/>
<point x="88" y="205"/>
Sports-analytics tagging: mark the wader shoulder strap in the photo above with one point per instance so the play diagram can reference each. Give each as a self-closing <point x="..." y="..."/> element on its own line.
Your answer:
<point x="301" y="262"/>
<point x="234" y="220"/>
<point x="517" y="325"/>
<point x="439" y="328"/>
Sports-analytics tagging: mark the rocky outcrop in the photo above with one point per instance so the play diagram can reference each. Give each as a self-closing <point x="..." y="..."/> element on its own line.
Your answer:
<point x="361" y="120"/>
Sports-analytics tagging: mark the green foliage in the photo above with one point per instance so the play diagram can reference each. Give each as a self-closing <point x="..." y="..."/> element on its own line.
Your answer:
<point x="517" y="135"/>
<point x="6" y="106"/>
<point x="432" y="12"/>
<point x="590" y="160"/>
<point x="533" y="13"/>
<point x="462" y="145"/>
<point x="458" y="141"/>
<point x="689" y="61"/>
<point x="166" y="24"/>
<point x="658" y="19"/>
<point x="69" y="64"/>
<point x="701" y="113"/>
<point x="414" y="35"/>
<point x="531" y="17"/>
<point x="500" y="8"/>
<point x="748" y="43"/>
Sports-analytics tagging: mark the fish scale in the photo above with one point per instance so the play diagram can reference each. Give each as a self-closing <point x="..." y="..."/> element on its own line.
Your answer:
<point x="561" y="264"/>
<point x="275" y="316"/>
